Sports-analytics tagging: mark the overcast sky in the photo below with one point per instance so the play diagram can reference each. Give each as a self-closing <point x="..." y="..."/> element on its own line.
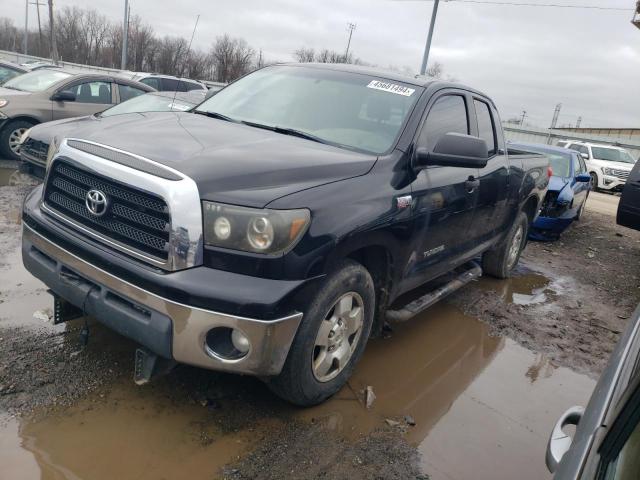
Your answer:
<point x="526" y="58"/>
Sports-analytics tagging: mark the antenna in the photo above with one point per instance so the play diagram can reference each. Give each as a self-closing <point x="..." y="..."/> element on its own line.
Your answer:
<point x="187" y="56"/>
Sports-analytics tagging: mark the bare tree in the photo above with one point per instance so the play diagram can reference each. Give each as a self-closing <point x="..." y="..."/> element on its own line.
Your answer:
<point x="305" y="55"/>
<point x="232" y="58"/>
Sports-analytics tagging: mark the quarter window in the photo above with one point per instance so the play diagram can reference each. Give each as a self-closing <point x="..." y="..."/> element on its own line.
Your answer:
<point x="486" y="128"/>
<point x="92" y="92"/>
<point x="127" y="92"/>
<point x="447" y="115"/>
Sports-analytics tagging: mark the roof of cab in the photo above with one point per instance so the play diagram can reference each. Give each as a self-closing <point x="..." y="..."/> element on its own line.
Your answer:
<point x="417" y="80"/>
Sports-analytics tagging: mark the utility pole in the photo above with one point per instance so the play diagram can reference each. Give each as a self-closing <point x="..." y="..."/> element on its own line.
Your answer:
<point x="351" y="27"/>
<point x="125" y="35"/>
<point x="578" y="122"/>
<point x="556" y="114"/>
<point x="524" y="114"/>
<point x="427" y="47"/>
<point x="38" y="4"/>
<point x="52" y="35"/>
<point x="26" y="27"/>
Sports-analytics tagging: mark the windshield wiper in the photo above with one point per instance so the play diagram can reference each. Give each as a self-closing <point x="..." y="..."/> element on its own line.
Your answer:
<point x="12" y="88"/>
<point x="217" y="115"/>
<point x="286" y="131"/>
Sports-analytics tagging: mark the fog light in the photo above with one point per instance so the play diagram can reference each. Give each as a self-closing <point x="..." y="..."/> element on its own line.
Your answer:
<point x="240" y="341"/>
<point x="226" y="343"/>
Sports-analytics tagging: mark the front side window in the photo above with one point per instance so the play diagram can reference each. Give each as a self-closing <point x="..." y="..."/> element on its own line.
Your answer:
<point x="486" y="128"/>
<point x="92" y="92"/>
<point x="577" y="168"/>
<point x="447" y="115"/>
<point x="152" y="82"/>
<point x="611" y="155"/>
<point x="349" y="110"/>
<point x="37" y="81"/>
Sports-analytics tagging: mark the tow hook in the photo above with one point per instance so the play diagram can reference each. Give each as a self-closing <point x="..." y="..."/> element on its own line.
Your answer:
<point x="148" y="365"/>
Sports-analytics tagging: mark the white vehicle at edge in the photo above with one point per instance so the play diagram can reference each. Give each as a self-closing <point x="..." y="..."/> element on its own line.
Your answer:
<point x="608" y="166"/>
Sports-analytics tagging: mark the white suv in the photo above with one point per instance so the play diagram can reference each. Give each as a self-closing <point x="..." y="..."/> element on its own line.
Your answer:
<point x="608" y="166"/>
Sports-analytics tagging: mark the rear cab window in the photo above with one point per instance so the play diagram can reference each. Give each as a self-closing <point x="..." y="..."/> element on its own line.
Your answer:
<point x="486" y="125"/>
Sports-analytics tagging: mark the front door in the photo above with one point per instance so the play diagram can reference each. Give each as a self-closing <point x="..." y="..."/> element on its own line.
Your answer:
<point x="91" y="97"/>
<point x="444" y="197"/>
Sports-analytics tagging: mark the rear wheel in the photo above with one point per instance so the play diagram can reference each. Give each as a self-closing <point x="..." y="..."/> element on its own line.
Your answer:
<point x="10" y="138"/>
<point x="502" y="259"/>
<point x="331" y="338"/>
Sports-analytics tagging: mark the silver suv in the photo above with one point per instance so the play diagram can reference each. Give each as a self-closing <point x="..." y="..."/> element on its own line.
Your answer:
<point x="53" y="94"/>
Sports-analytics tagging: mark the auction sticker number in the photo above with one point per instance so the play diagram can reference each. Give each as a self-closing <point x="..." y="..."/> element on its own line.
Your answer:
<point x="391" y="87"/>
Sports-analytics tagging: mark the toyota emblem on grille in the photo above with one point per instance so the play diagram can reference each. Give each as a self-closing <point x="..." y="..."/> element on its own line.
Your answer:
<point x="96" y="202"/>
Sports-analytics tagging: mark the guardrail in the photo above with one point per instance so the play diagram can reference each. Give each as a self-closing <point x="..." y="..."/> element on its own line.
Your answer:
<point x="19" y="58"/>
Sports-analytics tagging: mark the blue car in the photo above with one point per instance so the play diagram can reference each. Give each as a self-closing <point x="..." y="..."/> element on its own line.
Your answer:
<point x="569" y="188"/>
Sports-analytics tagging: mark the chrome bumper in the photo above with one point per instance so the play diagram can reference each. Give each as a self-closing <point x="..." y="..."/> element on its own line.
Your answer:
<point x="270" y="340"/>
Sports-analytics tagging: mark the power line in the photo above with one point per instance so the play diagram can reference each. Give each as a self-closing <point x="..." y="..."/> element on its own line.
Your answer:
<point x="550" y="5"/>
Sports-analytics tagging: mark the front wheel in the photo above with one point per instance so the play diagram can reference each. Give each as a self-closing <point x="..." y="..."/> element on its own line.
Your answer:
<point x="594" y="181"/>
<point x="331" y="338"/>
<point x="502" y="259"/>
<point x="10" y="138"/>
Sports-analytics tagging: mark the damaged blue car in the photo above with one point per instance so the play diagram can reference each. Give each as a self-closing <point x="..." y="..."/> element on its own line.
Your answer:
<point x="569" y="188"/>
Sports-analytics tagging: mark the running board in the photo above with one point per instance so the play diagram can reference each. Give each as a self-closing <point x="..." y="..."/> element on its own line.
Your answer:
<point x="413" y="308"/>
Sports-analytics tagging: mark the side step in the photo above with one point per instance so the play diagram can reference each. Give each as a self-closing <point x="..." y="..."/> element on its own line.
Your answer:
<point x="473" y="271"/>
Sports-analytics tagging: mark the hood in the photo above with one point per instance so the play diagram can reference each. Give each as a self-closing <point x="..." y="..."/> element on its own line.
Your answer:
<point x="616" y="165"/>
<point x="44" y="132"/>
<point x="10" y="92"/>
<point x="562" y="185"/>
<point x="230" y="162"/>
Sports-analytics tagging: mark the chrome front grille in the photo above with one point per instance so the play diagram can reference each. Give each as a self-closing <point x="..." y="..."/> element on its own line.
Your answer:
<point x="133" y="218"/>
<point x="35" y="149"/>
<point x="623" y="174"/>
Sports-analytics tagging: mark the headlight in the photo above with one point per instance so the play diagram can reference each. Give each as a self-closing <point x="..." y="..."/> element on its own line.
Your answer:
<point x="3" y="102"/>
<point x="255" y="230"/>
<point x="24" y="136"/>
<point x="607" y="171"/>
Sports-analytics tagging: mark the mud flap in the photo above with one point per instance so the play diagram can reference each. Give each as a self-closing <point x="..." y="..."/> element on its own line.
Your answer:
<point x="148" y="365"/>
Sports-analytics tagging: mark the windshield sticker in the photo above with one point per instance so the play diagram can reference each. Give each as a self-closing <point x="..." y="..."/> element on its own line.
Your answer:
<point x="178" y="106"/>
<point x="391" y="87"/>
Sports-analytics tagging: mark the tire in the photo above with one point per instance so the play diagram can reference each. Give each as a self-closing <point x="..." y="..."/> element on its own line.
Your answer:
<point x="299" y="382"/>
<point x="594" y="181"/>
<point x="9" y="135"/>
<point x="500" y="261"/>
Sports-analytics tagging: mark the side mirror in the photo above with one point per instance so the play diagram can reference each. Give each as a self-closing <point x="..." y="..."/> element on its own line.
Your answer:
<point x="583" y="177"/>
<point x="454" y="150"/>
<point x="64" y="96"/>
<point x="585" y="156"/>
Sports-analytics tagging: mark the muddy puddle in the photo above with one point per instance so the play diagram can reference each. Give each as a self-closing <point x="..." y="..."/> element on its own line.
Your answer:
<point x="482" y="407"/>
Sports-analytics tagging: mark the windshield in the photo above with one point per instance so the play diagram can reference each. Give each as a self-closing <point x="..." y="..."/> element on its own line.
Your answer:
<point x="148" y="103"/>
<point x="345" y="109"/>
<point x="36" y="81"/>
<point x="611" y="155"/>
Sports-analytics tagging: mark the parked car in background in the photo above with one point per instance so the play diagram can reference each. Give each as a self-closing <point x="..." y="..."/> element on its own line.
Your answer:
<point x="563" y="143"/>
<point x="53" y="94"/>
<point x="35" y="144"/>
<point x="608" y="166"/>
<point x="269" y="231"/>
<point x="8" y="70"/>
<point x="629" y="206"/>
<point x="606" y="443"/>
<point x="167" y="83"/>
<point x="568" y="190"/>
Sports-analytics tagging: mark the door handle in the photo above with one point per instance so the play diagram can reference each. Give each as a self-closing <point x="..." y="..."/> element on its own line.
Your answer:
<point x="471" y="184"/>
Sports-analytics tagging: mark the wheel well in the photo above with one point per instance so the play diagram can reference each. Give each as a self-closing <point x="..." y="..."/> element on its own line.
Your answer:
<point x="22" y="118"/>
<point x="377" y="260"/>
<point x="530" y="207"/>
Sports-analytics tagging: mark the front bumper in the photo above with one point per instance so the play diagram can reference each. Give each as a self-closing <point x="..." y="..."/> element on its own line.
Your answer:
<point x="167" y="327"/>
<point x="609" y="182"/>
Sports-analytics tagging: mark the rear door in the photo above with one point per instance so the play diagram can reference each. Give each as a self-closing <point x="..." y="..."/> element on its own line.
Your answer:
<point x="629" y="206"/>
<point x="444" y="198"/>
<point x="492" y="211"/>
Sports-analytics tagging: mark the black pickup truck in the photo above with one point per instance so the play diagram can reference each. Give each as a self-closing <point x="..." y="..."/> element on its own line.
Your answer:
<point x="272" y="230"/>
